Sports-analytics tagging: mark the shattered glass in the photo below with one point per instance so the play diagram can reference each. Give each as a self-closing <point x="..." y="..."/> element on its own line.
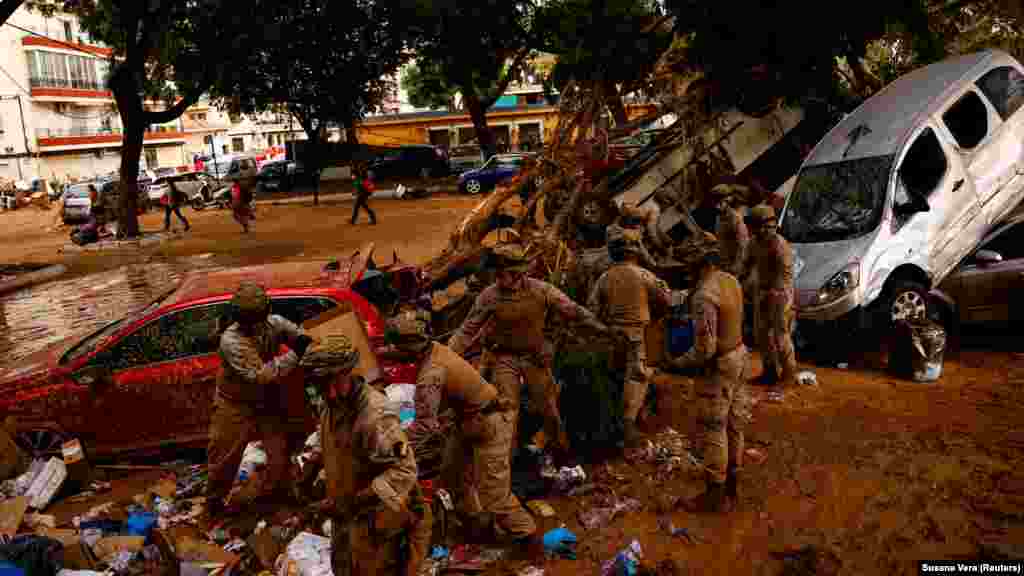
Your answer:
<point x="839" y="201"/>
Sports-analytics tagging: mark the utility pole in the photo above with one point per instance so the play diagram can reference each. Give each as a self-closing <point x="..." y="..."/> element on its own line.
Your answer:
<point x="24" y="134"/>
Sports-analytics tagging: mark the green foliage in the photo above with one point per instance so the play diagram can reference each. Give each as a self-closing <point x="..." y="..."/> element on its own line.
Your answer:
<point x="427" y="86"/>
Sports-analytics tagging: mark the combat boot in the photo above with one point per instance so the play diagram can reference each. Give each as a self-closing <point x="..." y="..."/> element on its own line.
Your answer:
<point x="711" y="501"/>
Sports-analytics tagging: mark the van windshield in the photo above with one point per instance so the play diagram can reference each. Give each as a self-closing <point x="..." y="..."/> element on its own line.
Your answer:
<point x="838" y="201"/>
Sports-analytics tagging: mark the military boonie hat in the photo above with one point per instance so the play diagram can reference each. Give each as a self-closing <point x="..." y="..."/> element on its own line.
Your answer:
<point x="333" y="354"/>
<point x="511" y="256"/>
<point x="408" y="326"/>
<point x="762" y="213"/>
<point x="250" y="297"/>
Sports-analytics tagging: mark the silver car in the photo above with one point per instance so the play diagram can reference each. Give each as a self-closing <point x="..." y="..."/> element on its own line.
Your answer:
<point x="77" y="204"/>
<point x="196" y="186"/>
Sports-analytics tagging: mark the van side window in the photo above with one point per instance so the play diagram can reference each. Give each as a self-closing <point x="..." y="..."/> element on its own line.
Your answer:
<point x="967" y="120"/>
<point x="1004" y="88"/>
<point x="920" y="173"/>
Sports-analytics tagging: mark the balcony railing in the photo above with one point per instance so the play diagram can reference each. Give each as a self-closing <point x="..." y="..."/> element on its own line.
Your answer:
<point x="93" y="135"/>
<point x="54" y="82"/>
<point x="73" y="132"/>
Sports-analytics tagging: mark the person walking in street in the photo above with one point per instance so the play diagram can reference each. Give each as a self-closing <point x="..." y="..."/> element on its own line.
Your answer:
<point x="484" y="428"/>
<point x="245" y="407"/>
<point x="364" y="189"/>
<point x="723" y="403"/>
<point x="380" y="521"/>
<point x="510" y="318"/>
<point x="771" y="259"/>
<point x="732" y="233"/>
<point x="623" y="298"/>
<point x="175" y="198"/>
<point x="241" y="205"/>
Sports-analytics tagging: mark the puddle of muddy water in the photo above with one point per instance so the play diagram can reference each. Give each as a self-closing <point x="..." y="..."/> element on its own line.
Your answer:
<point x="37" y="317"/>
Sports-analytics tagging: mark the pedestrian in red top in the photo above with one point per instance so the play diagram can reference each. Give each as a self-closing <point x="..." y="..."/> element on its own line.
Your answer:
<point x="364" y="189"/>
<point x="241" y="205"/>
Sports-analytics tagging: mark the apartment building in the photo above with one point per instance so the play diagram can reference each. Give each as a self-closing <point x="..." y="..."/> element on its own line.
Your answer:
<point x="57" y="117"/>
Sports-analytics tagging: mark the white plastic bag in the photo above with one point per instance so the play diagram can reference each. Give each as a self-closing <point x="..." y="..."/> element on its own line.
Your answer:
<point x="306" y="555"/>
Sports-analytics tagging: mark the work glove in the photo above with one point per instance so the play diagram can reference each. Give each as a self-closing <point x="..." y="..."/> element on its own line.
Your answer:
<point x="560" y="543"/>
<point x="301" y="344"/>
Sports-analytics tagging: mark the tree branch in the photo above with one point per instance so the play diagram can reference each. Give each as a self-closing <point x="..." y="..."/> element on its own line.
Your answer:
<point x="174" y="111"/>
<point x="503" y="83"/>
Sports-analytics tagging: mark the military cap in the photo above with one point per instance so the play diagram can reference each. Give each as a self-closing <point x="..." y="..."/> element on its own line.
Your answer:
<point x="762" y="213"/>
<point x="408" y="326"/>
<point x="250" y="298"/>
<point x="333" y="354"/>
<point x="511" y="256"/>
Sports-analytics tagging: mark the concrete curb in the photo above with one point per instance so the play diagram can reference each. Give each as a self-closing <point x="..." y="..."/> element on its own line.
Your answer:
<point x="149" y="240"/>
<point x="32" y="278"/>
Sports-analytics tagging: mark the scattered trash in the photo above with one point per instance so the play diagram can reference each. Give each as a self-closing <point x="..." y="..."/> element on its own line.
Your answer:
<point x="679" y="532"/>
<point x="306" y="555"/>
<point x="531" y="571"/>
<point x="843" y="365"/>
<point x="253" y="457"/>
<point x="565" y="478"/>
<point x="807" y="378"/>
<point x="439" y="553"/>
<point x="560" y="542"/>
<point x="446" y="499"/>
<point x="596" y="517"/>
<point x="541" y="508"/>
<point x="45" y="485"/>
<point x="140" y="524"/>
<point x="776" y="397"/>
<point x="625" y="563"/>
<point x="11" y="513"/>
<point x="402" y="398"/>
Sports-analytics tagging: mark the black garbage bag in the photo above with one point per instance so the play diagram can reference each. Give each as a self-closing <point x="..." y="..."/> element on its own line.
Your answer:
<point x="918" y="350"/>
<point x="591" y="400"/>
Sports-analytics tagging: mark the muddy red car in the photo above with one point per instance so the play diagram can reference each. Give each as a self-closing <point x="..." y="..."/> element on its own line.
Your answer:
<point x="147" y="381"/>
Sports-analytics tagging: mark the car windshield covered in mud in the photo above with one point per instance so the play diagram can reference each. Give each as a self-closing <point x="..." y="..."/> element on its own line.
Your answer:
<point x="838" y="201"/>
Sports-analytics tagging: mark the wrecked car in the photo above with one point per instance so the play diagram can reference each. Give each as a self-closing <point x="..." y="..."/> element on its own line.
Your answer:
<point x="147" y="380"/>
<point x="905" y="187"/>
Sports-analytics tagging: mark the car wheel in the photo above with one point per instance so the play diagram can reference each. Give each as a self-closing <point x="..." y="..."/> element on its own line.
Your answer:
<point x="41" y="443"/>
<point x="473" y="186"/>
<point x="205" y="194"/>
<point x="907" y="300"/>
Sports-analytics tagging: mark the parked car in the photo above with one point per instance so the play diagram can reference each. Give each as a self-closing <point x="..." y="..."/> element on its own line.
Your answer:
<point x="147" y="380"/>
<point x="197" y="187"/>
<point x="77" y="204"/>
<point x="496" y="170"/>
<point x="904" y="187"/>
<point x="983" y="289"/>
<point x="421" y="161"/>
<point x="280" y="174"/>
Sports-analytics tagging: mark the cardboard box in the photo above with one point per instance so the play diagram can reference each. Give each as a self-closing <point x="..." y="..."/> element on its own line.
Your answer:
<point x="45" y="486"/>
<point x="349" y="324"/>
<point x="11" y="513"/>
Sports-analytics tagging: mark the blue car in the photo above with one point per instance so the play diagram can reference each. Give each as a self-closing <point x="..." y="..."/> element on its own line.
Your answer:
<point x="496" y="170"/>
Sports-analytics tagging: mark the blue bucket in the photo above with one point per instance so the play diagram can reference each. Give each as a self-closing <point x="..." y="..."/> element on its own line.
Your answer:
<point x="679" y="337"/>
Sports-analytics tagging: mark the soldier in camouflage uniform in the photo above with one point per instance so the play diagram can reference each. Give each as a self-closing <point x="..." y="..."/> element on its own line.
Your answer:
<point x="246" y="405"/>
<point x="509" y="317"/>
<point x="633" y="218"/>
<point x="771" y="258"/>
<point x="722" y="398"/>
<point x="380" y="522"/>
<point x="484" y="424"/>
<point x="732" y="233"/>
<point x="623" y="297"/>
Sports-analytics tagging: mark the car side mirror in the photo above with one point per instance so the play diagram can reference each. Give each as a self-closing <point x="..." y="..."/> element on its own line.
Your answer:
<point x="987" y="257"/>
<point x="95" y="377"/>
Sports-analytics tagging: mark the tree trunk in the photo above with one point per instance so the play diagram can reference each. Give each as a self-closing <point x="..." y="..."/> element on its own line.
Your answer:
<point x="7" y="8"/>
<point x="615" y="105"/>
<point x="129" y="105"/>
<point x="484" y="136"/>
<point x="351" y="136"/>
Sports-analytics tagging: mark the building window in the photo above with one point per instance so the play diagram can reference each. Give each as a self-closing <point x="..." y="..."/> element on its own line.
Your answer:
<point x="151" y="161"/>
<point x="68" y="37"/>
<point x="238" y="144"/>
<point x="49" y="70"/>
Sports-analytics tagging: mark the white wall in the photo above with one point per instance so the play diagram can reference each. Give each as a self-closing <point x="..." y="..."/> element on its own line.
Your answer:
<point x="78" y="164"/>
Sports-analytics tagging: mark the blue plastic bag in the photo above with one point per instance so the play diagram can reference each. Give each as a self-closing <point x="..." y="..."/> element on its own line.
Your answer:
<point x="140" y="524"/>
<point x="560" y="542"/>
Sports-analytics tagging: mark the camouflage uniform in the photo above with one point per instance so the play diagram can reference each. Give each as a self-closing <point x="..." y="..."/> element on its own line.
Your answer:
<point x="732" y="233"/>
<point x="772" y="260"/>
<point x="381" y="523"/>
<point x="247" y="401"/>
<point x="722" y="396"/>
<point x="511" y="324"/>
<point x="622" y="298"/>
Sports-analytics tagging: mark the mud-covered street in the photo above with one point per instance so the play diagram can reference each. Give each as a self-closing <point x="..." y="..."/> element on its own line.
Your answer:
<point x="870" y="472"/>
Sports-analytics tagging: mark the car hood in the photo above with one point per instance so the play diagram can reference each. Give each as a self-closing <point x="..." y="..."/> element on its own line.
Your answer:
<point x="815" y="264"/>
<point x="470" y="173"/>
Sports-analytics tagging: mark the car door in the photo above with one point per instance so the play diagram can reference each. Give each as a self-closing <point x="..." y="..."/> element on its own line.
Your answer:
<point x="1003" y="90"/>
<point x="957" y="222"/>
<point x="163" y="377"/>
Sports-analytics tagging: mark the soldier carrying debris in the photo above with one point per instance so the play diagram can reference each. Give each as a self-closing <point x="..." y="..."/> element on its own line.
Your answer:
<point x="732" y="233"/>
<point x="484" y="423"/>
<point x="633" y="218"/>
<point x="771" y="258"/>
<point x="510" y="316"/>
<point x="722" y="397"/>
<point x="242" y="407"/>
<point x="381" y="524"/>
<point x="623" y="297"/>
